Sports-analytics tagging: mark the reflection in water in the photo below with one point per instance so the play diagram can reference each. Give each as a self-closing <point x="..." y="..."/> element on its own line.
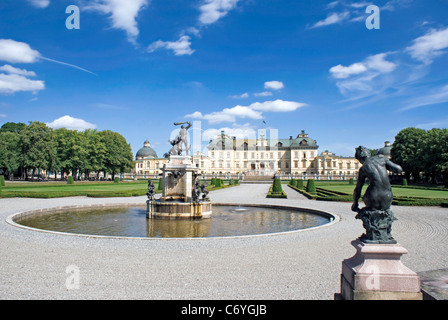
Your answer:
<point x="132" y="222"/>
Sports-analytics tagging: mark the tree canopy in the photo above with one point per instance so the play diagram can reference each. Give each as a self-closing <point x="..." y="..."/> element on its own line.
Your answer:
<point x="25" y="148"/>
<point x="423" y="154"/>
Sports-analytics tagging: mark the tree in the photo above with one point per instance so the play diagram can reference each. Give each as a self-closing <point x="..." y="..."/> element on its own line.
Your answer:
<point x="9" y="152"/>
<point x="12" y="127"/>
<point x="408" y="150"/>
<point x="119" y="157"/>
<point x="37" y="147"/>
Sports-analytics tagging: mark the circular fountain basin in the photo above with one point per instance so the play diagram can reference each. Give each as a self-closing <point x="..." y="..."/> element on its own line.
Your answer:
<point x="131" y="221"/>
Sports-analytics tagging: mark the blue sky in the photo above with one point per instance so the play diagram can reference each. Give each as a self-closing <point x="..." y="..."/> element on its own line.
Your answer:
<point x="137" y="66"/>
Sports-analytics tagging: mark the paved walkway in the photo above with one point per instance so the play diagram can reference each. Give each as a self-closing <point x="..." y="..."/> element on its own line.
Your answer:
<point x="298" y="265"/>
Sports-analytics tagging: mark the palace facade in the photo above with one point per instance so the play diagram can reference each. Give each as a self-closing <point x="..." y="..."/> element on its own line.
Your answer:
<point x="228" y="156"/>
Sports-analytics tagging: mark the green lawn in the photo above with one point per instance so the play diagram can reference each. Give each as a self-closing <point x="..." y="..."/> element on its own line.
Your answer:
<point x="62" y="189"/>
<point x="397" y="191"/>
<point x="90" y="189"/>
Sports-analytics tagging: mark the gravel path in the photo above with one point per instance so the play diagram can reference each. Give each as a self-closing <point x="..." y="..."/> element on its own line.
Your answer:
<point x="298" y="265"/>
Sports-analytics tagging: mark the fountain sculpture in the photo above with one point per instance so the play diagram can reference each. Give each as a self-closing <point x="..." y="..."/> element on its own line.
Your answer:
<point x="181" y="188"/>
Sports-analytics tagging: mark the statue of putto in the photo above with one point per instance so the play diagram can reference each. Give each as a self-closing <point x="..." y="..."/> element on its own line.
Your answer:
<point x="376" y="216"/>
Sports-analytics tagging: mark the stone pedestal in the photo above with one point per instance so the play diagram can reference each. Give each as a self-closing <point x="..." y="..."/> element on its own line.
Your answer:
<point x="375" y="272"/>
<point x="178" y="178"/>
<point x="176" y="201"/>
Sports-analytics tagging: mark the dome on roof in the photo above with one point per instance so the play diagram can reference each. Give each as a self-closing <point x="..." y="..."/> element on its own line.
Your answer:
<point x="385" y="151"/>
<point x="146" y="151"/>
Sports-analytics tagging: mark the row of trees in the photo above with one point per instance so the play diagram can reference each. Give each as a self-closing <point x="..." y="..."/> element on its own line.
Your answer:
<point x="423" y="154"/>
<point x="31" y="149"/>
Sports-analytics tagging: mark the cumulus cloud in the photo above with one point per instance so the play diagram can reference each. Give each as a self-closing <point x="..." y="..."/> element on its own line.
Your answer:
<point x="179" y="47"/>
<point x="17" y="52"/>
<point x="12" y="70"/>
<point x="11" y="83"/>
<point x="227" y="114"/>
<point x="245" y="131"/>
<point x="40" y="3"/>
<point x="213" y="10"/>
<point x="253" y="111"/>
<point x="123" y="14"/>
<point x="277" y="106"/>
<point x="71" y="123"/>
<point x="359" y="76"/>
<point x="429" y="46"/>
<point x="274" y="85"/>
<point x="341" y="72"/>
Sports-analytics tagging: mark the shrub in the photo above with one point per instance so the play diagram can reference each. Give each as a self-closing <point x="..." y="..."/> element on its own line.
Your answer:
<point x="351" y="181"/>
<point x="293" y="182"/>
<point x="311" y="186"/>
<point x="299" y="183"/>
<point x="218" y="183"/>
<point x="2" y="181"/>
<point x="404" y="182"/>
<point x="70" y="180"/>
<point x="116" y="180"/>
<point x="160" y="185"/>
<point x="277" y="186"/>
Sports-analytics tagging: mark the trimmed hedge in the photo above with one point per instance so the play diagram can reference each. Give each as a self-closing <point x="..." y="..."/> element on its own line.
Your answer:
<point x="160" y="184"/>
<point x="311" y="186"/>
<point x="276" y="191"/>
<point x="277" y="186"/>
<point x="70" y="180"/>
<point x="272" y="194"/>
<point x="2" y="181"/>
<point x="299" y="183"/>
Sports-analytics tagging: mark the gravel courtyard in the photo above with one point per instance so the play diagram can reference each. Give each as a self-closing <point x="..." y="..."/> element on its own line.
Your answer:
<point x="297" y="265"/>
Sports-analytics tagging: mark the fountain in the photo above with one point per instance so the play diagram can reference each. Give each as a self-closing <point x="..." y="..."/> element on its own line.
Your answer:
<point x="183" y="210"/>
<point x="181" y="188"/>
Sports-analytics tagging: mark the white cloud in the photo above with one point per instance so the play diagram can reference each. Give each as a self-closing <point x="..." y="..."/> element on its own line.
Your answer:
<point x="40" y="3"/>
<point x="378" y="62"/>
<point x="341" y="72"/>
<point x="277" y="106"/>
<point x="71" y="123"/>
<point x="274" y="85"/>
<point x="253" y="111"/>
<point x="263" y="94"/>
<point x="438" y="95"/>
<point x="373" y="63"/>
<point x="332" y="19"/>
<point x="11" y="83"/>
<point x="213" y="10"/>
<point x="227" y="114"/>
<point x="123" y="14"/>
<point x="17" y="52"/>
<point x="240" y="96"/>
<point x="359" y="76"/>
<point x="245" y="131"/>
<point x="12" y="70"/>
<point x="179" y="47"/>
<point x="429" y="46"/>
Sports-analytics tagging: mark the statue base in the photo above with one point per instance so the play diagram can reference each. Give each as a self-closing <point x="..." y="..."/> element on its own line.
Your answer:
<point x="178" y="210"/>
<point x="375" y="272"/>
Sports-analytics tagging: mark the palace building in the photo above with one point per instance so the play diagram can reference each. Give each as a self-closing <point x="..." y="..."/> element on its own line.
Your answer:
<point x="228" y="156"/>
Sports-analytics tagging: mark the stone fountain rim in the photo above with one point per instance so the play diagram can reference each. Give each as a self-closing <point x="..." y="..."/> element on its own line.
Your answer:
<point x="334" y="218"/>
